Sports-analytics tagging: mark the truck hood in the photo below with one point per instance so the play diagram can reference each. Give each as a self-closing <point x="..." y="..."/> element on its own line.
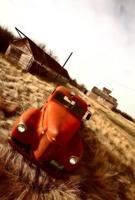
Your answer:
<point x="61" y="124"/>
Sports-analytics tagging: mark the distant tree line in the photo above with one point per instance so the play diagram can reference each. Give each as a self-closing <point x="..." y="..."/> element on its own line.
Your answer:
<point x="125" y="115"/>
<point x="5" y="38"/>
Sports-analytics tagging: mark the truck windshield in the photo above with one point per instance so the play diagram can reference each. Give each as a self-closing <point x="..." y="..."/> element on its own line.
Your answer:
<point x="73" y="106"/>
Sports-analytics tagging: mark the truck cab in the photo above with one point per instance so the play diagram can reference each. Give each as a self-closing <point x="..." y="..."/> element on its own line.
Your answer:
<point x="51" y="133"/>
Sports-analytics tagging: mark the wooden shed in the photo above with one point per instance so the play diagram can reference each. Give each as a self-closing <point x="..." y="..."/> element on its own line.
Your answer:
<point x="30" y="57"/>
<point x="103" y="97"/>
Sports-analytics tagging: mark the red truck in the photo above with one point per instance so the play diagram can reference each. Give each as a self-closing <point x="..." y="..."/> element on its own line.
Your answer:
<point x="50" y="134"/>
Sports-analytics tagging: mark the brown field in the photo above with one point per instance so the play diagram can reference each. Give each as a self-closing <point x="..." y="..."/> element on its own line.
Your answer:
<point x="107" y="170"/>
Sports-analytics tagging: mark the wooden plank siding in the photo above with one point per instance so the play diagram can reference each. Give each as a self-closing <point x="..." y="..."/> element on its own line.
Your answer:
<point x="19" y="57"/>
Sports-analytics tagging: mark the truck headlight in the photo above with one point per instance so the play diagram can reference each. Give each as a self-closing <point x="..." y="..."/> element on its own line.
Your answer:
<point x="21" y="127"/>
<point x="73" y="160"/>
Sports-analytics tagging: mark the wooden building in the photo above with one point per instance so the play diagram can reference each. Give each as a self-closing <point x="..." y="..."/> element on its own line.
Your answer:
<point x="103" y="97"/>
<point x="30" y="57"/>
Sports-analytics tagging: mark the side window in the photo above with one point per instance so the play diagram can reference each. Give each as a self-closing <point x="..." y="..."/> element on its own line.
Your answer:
<point x="73" y="106"/>
<point x="63" y="99"/>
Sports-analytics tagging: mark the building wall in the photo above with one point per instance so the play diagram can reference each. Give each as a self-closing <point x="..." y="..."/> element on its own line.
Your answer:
<point x="46" y="73"/>
<point x="19" y="57"/>
<point x="38" y="69"/>
<point x="101" y="100"/>
<point x="25" y="61"/>
<point x="13" y="53"/>
<point x="54" y="76"/>
<point x="23" y="45"/>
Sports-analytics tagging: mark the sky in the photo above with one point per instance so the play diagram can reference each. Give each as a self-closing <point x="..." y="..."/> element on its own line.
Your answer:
<point x="100" y="33"/>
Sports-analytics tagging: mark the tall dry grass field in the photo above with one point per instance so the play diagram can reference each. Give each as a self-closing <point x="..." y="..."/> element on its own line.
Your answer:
<point x="106" y="171"/>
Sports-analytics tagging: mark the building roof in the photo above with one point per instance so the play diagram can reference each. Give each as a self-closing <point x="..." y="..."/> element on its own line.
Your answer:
<point x="43" y="58"/>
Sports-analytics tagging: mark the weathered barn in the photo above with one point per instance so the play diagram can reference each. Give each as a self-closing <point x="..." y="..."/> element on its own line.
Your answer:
<point x="30" y="57"/>
<point x="104" y="97"/>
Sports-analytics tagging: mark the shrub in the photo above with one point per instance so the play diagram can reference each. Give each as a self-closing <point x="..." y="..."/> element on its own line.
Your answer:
<point x="5" y="38"/>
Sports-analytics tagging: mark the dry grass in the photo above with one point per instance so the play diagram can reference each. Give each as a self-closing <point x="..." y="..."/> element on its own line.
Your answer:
<point x="99" y="176"/>
<point x="30" y="182"/>
<point x="107" y="169"/>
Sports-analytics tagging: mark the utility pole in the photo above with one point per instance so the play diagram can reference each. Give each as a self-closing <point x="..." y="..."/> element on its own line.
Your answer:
<point x="67" y="59"/>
